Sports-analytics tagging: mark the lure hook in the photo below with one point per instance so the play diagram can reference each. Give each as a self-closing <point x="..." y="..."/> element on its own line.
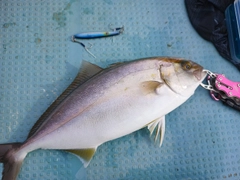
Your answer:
<point x="84" y="46"/>
<point x="120" y="29"/>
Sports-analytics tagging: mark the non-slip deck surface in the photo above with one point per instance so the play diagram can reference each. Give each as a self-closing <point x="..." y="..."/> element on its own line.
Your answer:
<point x="38" y="61"/>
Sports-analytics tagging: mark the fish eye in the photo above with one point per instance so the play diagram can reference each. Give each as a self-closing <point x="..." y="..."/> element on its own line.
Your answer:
<point x="186" y="65"/>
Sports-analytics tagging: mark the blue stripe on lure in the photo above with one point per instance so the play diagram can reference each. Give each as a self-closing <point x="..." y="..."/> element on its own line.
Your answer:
<point x="92" y="35"/>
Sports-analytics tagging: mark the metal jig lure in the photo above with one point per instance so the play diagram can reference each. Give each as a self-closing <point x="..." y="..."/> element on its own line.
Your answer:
<point x="92" y="35"/>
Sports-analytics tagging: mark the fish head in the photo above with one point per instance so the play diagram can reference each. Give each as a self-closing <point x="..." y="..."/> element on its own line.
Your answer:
<point x="182" y="76"/>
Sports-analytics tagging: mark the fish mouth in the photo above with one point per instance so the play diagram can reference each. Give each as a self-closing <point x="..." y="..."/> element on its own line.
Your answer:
<point x="199" y="74"/>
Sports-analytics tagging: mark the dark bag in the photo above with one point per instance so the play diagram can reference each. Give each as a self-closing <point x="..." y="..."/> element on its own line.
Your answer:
<point x="208" y="18"/>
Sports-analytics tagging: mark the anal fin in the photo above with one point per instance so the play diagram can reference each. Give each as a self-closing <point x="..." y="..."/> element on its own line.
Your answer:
<point x="85" y="155"/>
<point x="160" y="124"/>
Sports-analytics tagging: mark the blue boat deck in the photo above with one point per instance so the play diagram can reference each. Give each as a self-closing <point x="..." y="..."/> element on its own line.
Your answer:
<point x="38" y="61"/>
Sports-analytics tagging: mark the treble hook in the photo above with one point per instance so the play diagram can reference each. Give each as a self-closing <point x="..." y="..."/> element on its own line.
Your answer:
<point x="83" y="45"/>
<point x="120" y="29"/>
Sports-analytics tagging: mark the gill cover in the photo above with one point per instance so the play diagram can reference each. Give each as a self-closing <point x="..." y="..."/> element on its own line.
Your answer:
<point x="181" y="76"/>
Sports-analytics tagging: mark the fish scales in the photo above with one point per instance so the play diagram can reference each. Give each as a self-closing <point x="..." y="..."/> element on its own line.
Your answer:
<point x="112" y="103"/>
<point x="91" y="93"/>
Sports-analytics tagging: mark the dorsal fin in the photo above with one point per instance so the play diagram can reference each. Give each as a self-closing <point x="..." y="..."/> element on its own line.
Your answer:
<point x="86" y="71"/>
<point x="115" y="64"/>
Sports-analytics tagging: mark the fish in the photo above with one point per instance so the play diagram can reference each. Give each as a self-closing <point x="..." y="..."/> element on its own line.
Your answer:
<point x="101" y="105"/>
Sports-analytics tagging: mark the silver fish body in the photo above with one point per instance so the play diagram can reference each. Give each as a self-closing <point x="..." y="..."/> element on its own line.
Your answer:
<point x="115" y="102"/>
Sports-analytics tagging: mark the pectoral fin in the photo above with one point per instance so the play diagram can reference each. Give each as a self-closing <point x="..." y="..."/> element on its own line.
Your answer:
<point x="151" y="87"/>
<point x="85" y="155"/>
<point x="160" y="124"/>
